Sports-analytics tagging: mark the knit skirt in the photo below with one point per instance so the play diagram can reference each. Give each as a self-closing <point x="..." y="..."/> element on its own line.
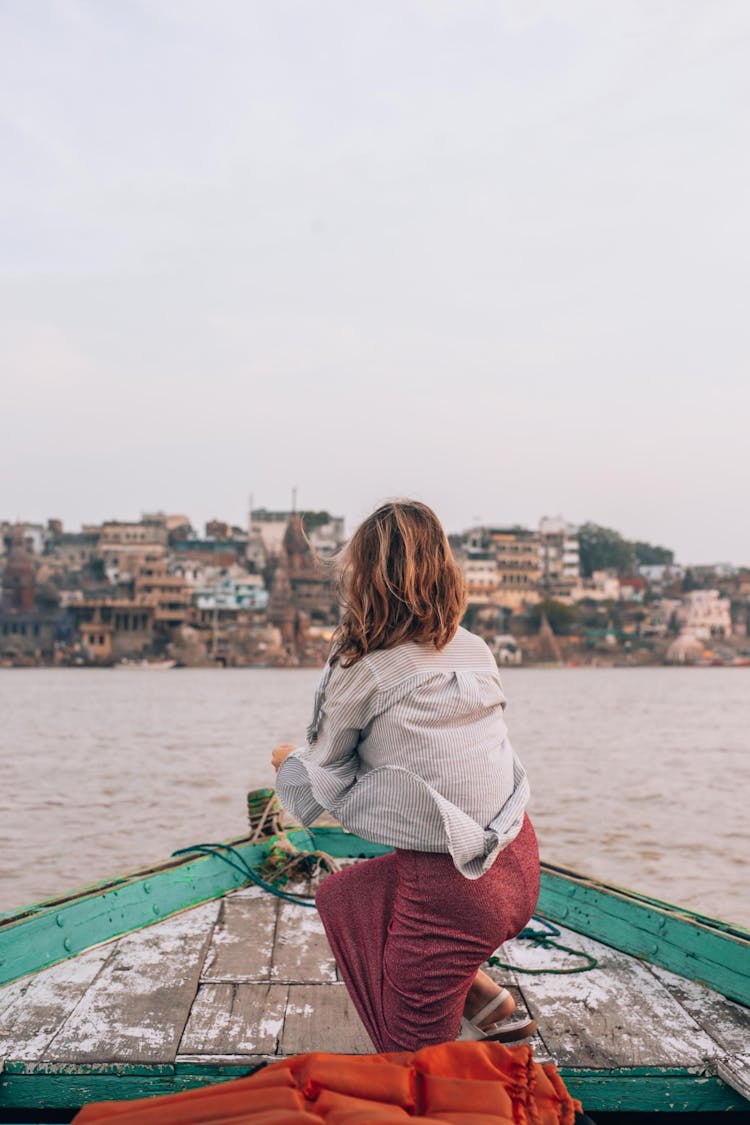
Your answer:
<point x="409" y="932"/>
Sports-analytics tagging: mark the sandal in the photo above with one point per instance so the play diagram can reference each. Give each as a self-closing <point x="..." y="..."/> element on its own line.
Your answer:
<point x="502" y="1030"/>
<point x="512" y="1031"/>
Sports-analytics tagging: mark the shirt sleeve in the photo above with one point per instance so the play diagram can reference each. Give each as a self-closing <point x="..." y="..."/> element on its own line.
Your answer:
<point x="315" y="777"/>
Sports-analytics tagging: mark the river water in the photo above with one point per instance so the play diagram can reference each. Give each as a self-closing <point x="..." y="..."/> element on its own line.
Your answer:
<point x="639" y="776"/>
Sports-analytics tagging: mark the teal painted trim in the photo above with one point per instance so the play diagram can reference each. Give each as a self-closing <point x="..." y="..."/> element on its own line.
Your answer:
<point x="342" y="844"/>
<point x="658" y="933"/>
<point x="691" y="945"/>
<point x="649" y="900"/>
<point x="57" y="929"/>
<point x="651" y="1091"/>
<point x="53" y="934"/>
<point x="71" y="1091"/>
<point x="642" y="1090"/>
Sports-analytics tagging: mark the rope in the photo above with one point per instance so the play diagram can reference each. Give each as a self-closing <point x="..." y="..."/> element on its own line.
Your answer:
<point x="245" y="869"/>
<point x="264" y="817"/>
<point x="543" y="940"/>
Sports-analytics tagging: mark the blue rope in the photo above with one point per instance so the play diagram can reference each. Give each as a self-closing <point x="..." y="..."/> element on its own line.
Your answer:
<point x="244" y="869"/>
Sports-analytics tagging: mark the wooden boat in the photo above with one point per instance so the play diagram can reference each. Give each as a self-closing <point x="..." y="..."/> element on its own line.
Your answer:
<point x="187" y="973"/>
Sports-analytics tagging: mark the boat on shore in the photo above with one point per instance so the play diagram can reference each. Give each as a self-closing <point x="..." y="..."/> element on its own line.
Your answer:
<point x="151" y="665"/>
<point x="198" y="969"/>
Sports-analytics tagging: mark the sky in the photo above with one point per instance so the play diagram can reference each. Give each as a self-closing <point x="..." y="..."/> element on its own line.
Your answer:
<point x="492" y="255"/>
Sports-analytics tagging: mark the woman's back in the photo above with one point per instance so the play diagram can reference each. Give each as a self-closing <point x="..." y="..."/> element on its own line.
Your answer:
<point x="439" y="714"/>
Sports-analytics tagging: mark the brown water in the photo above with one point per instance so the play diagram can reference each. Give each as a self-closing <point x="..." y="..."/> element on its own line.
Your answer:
<point x="639" y="776"/>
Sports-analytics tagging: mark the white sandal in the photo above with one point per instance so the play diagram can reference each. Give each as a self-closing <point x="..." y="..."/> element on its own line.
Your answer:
<point x="506" y="1031"/>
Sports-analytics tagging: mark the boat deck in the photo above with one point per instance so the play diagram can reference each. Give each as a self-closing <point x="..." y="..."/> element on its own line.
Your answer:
<point x="213" y="991"/>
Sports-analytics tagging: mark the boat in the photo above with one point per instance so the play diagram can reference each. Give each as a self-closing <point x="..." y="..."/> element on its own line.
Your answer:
<point x="151" y="665"/>
<point x="200" y="968"/>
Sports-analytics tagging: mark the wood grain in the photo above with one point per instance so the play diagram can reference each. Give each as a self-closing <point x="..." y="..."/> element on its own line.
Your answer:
<point x="232" y="1019"/>
<point x="301" y="951"/>
<point x="617" y="1015"/>
<point x="323" y="1018"/>
<point x="137" y="1007"/>
<point x="41" y="1005"/>
<point x="242" y="944"/>
<point x="726" y="1022"/>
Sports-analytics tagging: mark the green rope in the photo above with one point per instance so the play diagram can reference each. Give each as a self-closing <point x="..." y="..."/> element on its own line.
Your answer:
<point x="244" y="869"/>
<point x="543" y="940"/>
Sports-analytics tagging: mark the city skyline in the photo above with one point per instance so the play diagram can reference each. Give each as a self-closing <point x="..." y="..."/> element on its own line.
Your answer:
<point x="294" y="504"/>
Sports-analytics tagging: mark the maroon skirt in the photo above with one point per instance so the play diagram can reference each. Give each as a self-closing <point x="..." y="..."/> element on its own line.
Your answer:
<point x="409" y="932"/>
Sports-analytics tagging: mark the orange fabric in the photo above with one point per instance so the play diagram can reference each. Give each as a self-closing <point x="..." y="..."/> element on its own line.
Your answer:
<point x="451" y="1084"/>
<point x="270" y="1078"/>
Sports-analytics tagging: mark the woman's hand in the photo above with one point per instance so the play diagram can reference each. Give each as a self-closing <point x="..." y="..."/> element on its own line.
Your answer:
<point x="280" y="754"/>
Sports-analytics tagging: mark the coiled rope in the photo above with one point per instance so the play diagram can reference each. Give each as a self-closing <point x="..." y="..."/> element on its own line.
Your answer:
<point x="543" y="939"/>
<point x="245" y="869"/>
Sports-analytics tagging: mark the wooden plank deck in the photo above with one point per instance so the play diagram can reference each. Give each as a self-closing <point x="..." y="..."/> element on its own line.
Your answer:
<point x="250" y="977"/>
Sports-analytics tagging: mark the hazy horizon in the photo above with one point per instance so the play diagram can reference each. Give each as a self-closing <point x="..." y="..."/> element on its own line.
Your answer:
<point x="491" y="255"/>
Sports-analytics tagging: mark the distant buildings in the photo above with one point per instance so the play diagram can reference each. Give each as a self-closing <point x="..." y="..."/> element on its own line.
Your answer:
<point x="560" y="556"/>
<point x="707" y="615"/>
<point x="267" y="594"/>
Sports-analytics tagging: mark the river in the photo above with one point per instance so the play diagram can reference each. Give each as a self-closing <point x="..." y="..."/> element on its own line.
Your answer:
<point x="639" y="776"/>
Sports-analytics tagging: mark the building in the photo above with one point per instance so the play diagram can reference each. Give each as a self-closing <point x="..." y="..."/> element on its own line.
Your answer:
<point x="170" y="594"/>
<point x="233" y="594"/>
<point x="126" y="548"/>
<point x="517" y="552"/>
<point x="324" y="531"/>
<point x="559" y="556"/>
<point x="113" y="628"/>
<point x="19" y="577"/>
<point x="481" y="575"/>
<point x="633" y="589"/>
<point x="207" y="552"/>
<point x="73" y="550"/>
<point x="602" y="586"/>
<point x="706" y="614"/>
<point x="35" y="536"/>
<point x="30" y="628"/>
<point x="313" y="585"/>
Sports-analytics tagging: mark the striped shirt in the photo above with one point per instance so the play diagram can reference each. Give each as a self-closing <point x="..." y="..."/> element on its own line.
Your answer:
<point x="409" y="748"/>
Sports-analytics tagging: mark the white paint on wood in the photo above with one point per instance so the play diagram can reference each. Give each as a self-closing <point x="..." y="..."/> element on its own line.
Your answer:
<point x="726" y="1022"/>
<point x="136" y="1008"/>
<point x="735" y="1072"/>
<point x="617" y="1015"/>
<point x="45" y="1001"/>
<point x="10" y="993"/>
<point x="301" y="951"/>
<point x="242" y="944"/>
<point x="244" y="1063"/>
<point x="235" y="1019"/>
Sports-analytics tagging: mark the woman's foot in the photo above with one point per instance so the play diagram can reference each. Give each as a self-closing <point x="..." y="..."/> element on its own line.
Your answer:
<point x="487" y="1003"/>
<point x="486" y="1013"/>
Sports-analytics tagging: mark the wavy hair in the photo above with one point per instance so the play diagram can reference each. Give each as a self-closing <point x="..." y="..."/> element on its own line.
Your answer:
<point x="399" y="582"/>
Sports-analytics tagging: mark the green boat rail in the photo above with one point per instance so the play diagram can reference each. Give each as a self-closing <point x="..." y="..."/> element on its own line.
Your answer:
<point x="699" y="948"/>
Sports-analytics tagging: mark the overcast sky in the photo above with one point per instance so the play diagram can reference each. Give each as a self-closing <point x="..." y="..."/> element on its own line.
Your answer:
<point x="492" y="255"/>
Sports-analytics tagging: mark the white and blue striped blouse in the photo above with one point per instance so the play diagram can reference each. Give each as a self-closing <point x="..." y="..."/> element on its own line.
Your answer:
<point x="409" y="748"/>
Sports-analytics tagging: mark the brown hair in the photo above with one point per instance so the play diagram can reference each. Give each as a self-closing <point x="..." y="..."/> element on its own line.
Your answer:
<point x="400" y="582"/>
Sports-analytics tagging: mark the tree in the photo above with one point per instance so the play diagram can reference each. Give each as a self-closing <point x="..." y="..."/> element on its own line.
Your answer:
<point x="559" y="615"/>
<point x="601" y="548"/>
<point x="650" y="555"/>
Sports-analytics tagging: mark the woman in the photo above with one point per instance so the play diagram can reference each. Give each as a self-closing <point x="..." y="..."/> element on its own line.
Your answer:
<point x="408" y="748"/>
